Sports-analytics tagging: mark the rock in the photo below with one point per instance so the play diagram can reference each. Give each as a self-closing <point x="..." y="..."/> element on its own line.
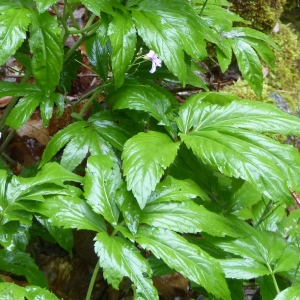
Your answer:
<point x="280" y="102"/>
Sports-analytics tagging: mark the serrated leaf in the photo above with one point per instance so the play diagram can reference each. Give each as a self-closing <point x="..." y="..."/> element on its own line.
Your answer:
<point x="266" y="287"/>
<point x="23" y="110"/>
<point x="122" y="34"/>
<point x="113" y="128"/>
<point x="186" y="258"/>
<point x="243" y="268"/>
<point x="145" y="156"/>
<point x="13" y="26"/>
<point x="118" y="258"/>
<point x="171" y="189"/>
<point x="186" y="217"/>
<point x="37" y="293"/>
<point x="288" y="258"/>
<point x="101" y="181"/>
<point x="69" y="212"/>
<point x="249" y="64"/>
<point x="11" y="291"/>
<point x="292" y="292"/>
<point x="144" y="98"/>
<point x="17" y="89"/>
<point x="20" y="263"/>
<point x="43" y="5"/>
<point x="47" y="47"/>
<point x="96" y="6"/>
<point x="129" y="207"/>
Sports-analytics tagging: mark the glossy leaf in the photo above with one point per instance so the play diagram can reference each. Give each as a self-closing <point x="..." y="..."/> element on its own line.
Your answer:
<point x="186" y="217"/>
<point x="17" y="89"/>
<point x="35" y="293"/>
<point x="292" y="292"/>
<point x="186" y="258"/>
<point x="123" y="40"/>
<point x="145" y="98"/>
<point x="171" y="189"/>
<point x="24" y="109"/>
<point x="145" y="156"/>
<point x="99" y="5"/>
<point x="243" y="268"/>
<point x="13" y="26"/>
<point x="129" y="208"/>
<point x="46" y="44"/>
<point x="69" y="212"/>
<point x="43" y="5"/>
<point x="249" y="64"/>
<point x="118" y="258"/>
<point x="102" y="179"/>
<point x="22" y="264"/>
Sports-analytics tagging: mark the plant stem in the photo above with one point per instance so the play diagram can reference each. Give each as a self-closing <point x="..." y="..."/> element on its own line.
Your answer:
<point x="262" y="218"/>
<point x="92" y="282"/>
<point x="13" y="101"/>
<point x="88" y="103"/>
<point x="274" y="280"/>
<point x="70" y="12"/>
<point x="7" y="140"/>
<point x="203" y="8"/>
<point x="85" y="29"/>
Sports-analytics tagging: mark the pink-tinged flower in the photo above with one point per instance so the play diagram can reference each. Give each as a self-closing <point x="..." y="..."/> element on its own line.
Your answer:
<point x="156" y="62"/>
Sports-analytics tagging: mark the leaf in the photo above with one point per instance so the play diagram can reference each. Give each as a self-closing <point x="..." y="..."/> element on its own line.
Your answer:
<point x="292" y="292"/>
<point x="171" y="189"/>
<point x="20" y="263"/>
<point x="118" y="258"/>
<point x="289" y="257"/>
<point x="101" y="181"/>
<point x="13" y="26"/>
<point x="129" y="207"/>
<point x="123" y="39"/>
<point x="69" y="212"/>
<point x="43" y="5"/>
<point x="113" y="128"/>
<point x="249" y="64"/>
<point x="17" y="89"/>
<point x="35" y="293"/>
<point x="46" y="44"/>
<point x="144" y="98"/>
<point x="266" y="287"/>
<point x="186" y="217"/>
<point x="69" y="71"/>
<point x="24" y="109"/>
<point x="96" y="6"/>
<point x="185" y="258"/>
<point x="145" y="156"/>
<point x="243" y="268"/>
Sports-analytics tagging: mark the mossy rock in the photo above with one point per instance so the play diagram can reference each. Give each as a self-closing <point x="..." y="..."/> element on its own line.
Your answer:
<point x="262" y="14"/>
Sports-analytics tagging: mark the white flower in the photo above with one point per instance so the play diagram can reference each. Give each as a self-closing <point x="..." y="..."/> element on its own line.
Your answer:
<point x="156" y="62"/>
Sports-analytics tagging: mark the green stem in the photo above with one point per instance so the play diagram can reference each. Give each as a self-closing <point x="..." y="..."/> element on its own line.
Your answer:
<point x="274" y="280"/>
<point x="262" y="218"/>
<point x="203" y="8"/>
<point x="92" y="282"/>
<point x="85" y="29"/>
<point x="7" y="140"/>
<point x="70" y="11"/>
<point x="13" y="101"/>
<point x="89" y="102"/>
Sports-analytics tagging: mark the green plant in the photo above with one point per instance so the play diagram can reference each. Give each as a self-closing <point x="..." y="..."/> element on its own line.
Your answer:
<point x="158" y="175"/>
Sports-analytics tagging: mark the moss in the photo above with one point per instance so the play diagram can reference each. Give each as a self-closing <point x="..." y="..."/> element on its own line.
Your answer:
<point x="262" y="14"/>
<point x="285" y="79"/>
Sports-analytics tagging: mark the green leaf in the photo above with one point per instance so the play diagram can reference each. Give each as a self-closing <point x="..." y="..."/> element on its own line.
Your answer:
<point x="43" y="5"/>
<point x="145" y="156"/>
<point x="129" y="207"/>
<point x="123" y="40"/>
<point x="288" y="258"/>
<point x="243" y="268"/>
<point x="186" y="258"/>
<point x="118" y="258"/>
<point x="101" y="181"/>
<point x="69" y="71"/>
<point x="20" y="263"/>
<point x="159" y="267"/>
<point x="144" y="98"/>
<point x="17" y="89"/>
<point x="96" y="6"/>
<point x="24" y="109"/>
<point x="186" y="217"/>
<point x="47" y="47"/>
<point x="249" y="64"/>
<point x="113" y="128"/>
<point x="13" y="26"/>
<point x="171" y="189"/>
<point x="289" y="293"/>
<point x="35" y="293"/>
<point x="98" y="53"/>
<point x="69" y="212"/>
<point x="266" y="287"/>
<point x="64" y="237"/>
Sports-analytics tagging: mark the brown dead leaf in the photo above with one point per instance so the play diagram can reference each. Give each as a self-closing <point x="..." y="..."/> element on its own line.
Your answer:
<point x="4" y="101"/>
<point x="34" y="129"/>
